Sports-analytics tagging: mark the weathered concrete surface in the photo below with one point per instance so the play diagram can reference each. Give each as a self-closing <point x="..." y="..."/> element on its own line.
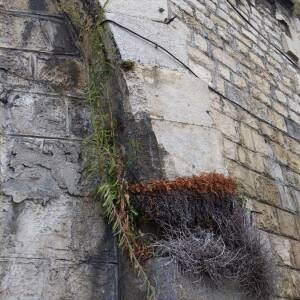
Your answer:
<point x="55" y="243"/>
<point x="178" y="106"/>
<point x="133" y="48"/>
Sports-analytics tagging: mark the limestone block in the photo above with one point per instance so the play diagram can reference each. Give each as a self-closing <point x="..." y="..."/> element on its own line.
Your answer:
<point x="251" y="159"/>
<point x="293" y="161"/>
<point x="282" y="248"/>
<point x="267" y="190"/>
<point x="296" y="252"/>
<point x="53" y="166"/>
<point x="154" y="10"/>
<point x="288" y="198"/>
<point x="257" y="60"/>
<point x="79" y="118"/>
<point x="260" y="96"/>
<point x="178" y="6"/>
<point x="247" y="136"/>
<point x="66" y="228"/>
<point x="288" y="283"/>
<point x="236" y="95"/>
<point x="61" y="73"/>
<point x="55" y="74"/>
<point x="189" y="150"/>
<point x="287" y="223"/>
<point x="173" y="37"/>
<point x="280" y="109"/>
<point x="266" y="217"/>
<point x="35" y="114"/>
<point x="244" y="177"/>
<point x="277" y="120"/>
<point x="223" y="57"/>
<point x="29" y="5"/>
<point x="260" y="143"/>
<point x="35" y="34"/>
<point x="292" y="178"/>
<point x="293" y="129"/>
<point x="226" y="125"/>
<point x="239" y="81"/>
<point x="170" y="95"/>
<point x="230" y="149"/>
<point x="280" y="96"/>
<point x="41" y="115"/>
<point x="17" y="62"/>
<point x="201" y="58"/>
<point x="57" y="279"/>
<point x="201" y="72"/>
<point x="294" y="103"/>
<point x="295" y="205"/>
<point x="200" y="42"/>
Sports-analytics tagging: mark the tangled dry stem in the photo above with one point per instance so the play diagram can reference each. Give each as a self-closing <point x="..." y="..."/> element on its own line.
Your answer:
<point x="207" y="232"/>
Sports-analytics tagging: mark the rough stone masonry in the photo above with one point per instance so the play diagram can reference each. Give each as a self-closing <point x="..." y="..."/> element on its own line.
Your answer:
<point x="54" y="242"/>
<point x="240" y="116"/>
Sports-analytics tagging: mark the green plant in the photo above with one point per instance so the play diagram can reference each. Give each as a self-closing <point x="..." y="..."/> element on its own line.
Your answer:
<point x="102" y="158"/>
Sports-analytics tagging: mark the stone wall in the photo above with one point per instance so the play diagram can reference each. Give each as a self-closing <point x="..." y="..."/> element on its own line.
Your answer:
<point x="54" y="242"/>
<point x="241" y="116"/>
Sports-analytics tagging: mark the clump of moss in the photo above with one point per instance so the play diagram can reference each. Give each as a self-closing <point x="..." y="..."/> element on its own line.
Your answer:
<point x="127" y="65"/>
<point x="206" y="230"/>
